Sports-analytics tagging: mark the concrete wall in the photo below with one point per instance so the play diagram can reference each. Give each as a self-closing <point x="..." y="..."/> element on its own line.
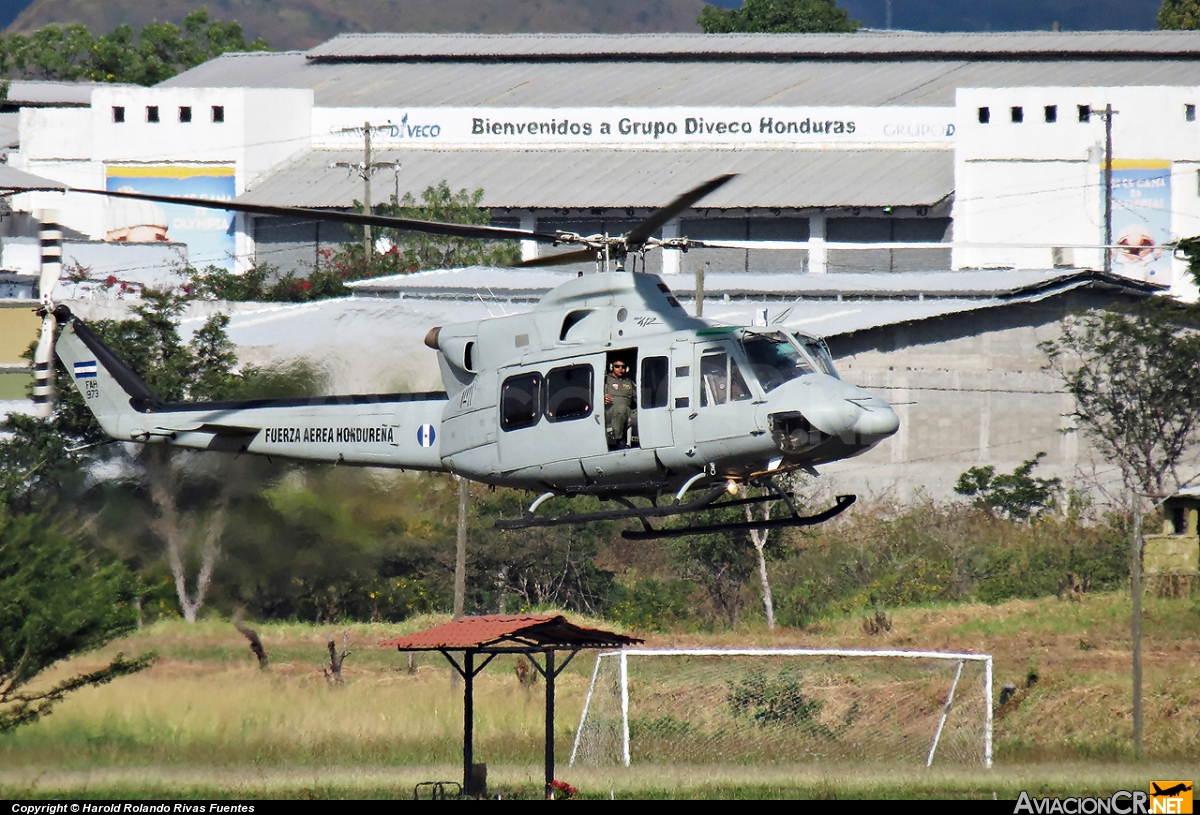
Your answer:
<point x="970" y="391"/>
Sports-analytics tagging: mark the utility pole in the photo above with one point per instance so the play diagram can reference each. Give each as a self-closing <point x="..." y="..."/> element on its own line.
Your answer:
<point x="460" y="553"/>
<point x="1135" y="619"/>
<point x="1108" y="162"/>
<point x="364" y="170"/>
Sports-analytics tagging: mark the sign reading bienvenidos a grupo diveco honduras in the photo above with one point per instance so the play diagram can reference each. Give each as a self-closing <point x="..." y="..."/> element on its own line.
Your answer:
<point x="632" y="127"/>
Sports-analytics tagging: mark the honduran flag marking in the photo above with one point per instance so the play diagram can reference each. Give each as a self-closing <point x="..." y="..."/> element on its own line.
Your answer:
<point x="84" y="370"/>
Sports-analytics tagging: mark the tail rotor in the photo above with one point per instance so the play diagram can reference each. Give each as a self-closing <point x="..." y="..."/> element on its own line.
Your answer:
<point x="43" y="358"/>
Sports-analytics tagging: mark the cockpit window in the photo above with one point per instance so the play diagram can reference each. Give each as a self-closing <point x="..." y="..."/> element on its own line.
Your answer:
<point x="773" y="359"/>
<point x="819" y="351"/>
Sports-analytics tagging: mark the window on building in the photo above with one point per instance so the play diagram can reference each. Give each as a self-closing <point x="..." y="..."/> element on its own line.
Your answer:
<point x="1017" y="113"/>
<point x="1189" y="113"/>
<point x="521" y="401"/>
<point x="1051" y="113"/>
<point x="569" y="393"/>
<point x="152" y="113"/>
<point x="185" y="114"/>
<point x="218" y="113"/>
<point x="985" y="116"/>
<point x="118" y="114"/>
<point x="654" y="382"/>
<point x="1085" y="113"/>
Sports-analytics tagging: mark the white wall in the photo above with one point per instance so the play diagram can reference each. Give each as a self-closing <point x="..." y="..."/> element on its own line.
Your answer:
<point x="261" y="129"/>
<point x="1036" y="182"/>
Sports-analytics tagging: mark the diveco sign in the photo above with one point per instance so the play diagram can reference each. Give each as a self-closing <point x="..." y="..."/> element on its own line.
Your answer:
<point x="633" y="127"/>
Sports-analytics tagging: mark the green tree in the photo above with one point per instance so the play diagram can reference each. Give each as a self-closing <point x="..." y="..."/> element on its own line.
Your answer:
<point x="55" y="602"/>
<point x="549" y="566"/>
<point x="1179" y="15"/>
<point x="157" y="53"/>
<point x="1017" y="495"/>
<point x="778" y="17"/>
<point x="720" y="563"/>
<point x="187" y="497"/>
<point x="407" y="252"/>
<point x="1190" y="248"/>
<point x="415" y="251"/>
<point x="1133" y="376"/>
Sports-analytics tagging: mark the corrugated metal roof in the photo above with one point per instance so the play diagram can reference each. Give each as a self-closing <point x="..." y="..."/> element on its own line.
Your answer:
<point x="834" y="82"/>
<point x="46" y="93"/>
<point x="12" y="178"/>
<point x="508" y="632"/>
<point x="875" y="43"/>
<point x="626" y="178"/>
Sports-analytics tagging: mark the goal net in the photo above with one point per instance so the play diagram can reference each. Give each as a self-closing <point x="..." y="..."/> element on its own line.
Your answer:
<point x="795" y="705"/>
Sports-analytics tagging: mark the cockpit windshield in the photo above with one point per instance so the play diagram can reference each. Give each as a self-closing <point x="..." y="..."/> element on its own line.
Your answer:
<point x="819" y="351"/>
<point x="773" y="358"/>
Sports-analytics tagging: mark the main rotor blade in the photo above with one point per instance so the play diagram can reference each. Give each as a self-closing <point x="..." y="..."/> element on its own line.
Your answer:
<point x="360" y="219"/>
<point x="558" y="260"/>
<point x="638" y="235"/>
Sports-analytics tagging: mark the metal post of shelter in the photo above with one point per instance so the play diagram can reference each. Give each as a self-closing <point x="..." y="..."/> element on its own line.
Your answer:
<point x="549" y="723"/>
<point x="468" y="717"/>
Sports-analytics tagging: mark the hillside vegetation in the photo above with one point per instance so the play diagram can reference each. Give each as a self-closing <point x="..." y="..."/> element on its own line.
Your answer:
<point x="299" y="24"/>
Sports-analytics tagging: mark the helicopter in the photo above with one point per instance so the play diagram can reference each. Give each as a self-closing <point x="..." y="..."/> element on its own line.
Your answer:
<point x="719" y="408"/>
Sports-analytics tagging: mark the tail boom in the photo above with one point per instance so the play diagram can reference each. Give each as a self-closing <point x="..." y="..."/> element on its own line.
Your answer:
<point x="381" y="430"/>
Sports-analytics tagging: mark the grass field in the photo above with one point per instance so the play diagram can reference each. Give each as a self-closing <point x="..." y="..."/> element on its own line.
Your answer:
<point x="204" y="722"/>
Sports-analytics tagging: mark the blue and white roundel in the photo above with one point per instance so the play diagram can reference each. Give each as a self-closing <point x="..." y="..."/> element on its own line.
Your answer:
<point x="425" y="435"/>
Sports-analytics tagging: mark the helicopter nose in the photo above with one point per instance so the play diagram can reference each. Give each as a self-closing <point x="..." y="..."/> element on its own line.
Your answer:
<point x="826" y="416"/>
<point x="876" y="421"/>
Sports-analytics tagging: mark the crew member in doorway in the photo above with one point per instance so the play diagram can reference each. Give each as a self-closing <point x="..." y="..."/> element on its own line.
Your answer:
<point x="620" y="406"/>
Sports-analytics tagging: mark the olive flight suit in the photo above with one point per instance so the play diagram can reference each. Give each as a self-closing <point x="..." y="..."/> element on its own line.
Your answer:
<point x="622" y="413"/>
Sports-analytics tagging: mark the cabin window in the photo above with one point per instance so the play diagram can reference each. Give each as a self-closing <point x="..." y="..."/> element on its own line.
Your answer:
<point x="773" y="359"/>
<point x="818" y="352"/>
<point x="654" y="382"/>
<point x="714" y="380"/>
<point x="569" y="393"/>
<point x="521" y="401"/>
<point x="720" y="380"/>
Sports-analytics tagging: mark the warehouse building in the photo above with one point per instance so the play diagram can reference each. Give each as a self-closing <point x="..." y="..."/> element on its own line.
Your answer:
<point x="864" y="152"/>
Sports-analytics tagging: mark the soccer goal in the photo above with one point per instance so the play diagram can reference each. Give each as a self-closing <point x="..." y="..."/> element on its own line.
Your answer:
<point x="787" y="705"/>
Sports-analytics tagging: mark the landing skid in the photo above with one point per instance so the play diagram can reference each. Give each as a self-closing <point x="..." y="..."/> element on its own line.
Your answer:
<point x="708" y="500"/>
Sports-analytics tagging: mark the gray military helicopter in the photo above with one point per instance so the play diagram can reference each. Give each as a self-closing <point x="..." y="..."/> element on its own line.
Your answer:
<point x="719" y="408"/>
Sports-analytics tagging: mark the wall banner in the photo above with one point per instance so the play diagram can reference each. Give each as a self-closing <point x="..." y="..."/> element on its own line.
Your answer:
<point x="631" y="127"/>
<point x="208" y="233"/>
<point x="1141" y="220"/>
